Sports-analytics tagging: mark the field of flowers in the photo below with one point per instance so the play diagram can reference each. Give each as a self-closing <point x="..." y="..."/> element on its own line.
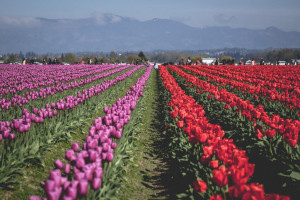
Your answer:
<point x="67" y="132"/>
<point x="234" y="130"/>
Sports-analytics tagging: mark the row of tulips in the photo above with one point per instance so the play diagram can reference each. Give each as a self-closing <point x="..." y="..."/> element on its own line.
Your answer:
<point x="255" y="89"/>
<point x="23" y="124"/>
<point x="15" y="78"/>
<point x="279" y="77"/>
<point x="44" y="92"/>
<point x="86" y="163"/>
<point x="230" y="167"/>
<point x="288" y="128"/>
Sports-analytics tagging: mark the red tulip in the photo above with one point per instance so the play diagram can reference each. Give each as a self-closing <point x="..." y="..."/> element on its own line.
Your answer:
<point x="200" y="186"/>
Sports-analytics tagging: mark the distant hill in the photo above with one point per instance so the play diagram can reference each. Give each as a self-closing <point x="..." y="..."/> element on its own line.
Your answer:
<point x="109" y="32"/>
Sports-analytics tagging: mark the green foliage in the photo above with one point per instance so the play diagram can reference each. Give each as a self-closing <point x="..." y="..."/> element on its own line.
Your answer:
<point x="122" y="59"/>
<point x="198" y="57"/>
<point x="132" y="58"/>
<point x="12" y="58"/>
<point x="70" y="58"/>
<point x="142" y="56"/>
<point x="112" y="57"/>
<point x="168" y="57"/>
<point x="278" y="54"/>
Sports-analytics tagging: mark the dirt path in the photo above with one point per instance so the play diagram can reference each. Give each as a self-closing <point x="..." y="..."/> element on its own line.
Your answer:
<point x="149" y="178"/>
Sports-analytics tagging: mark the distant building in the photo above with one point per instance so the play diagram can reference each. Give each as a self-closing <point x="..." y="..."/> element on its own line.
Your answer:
<point x="208" y="61"/>
<point x="1" y="61"/>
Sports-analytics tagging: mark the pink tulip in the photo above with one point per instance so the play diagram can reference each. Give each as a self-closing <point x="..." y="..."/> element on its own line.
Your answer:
<point x="11" y="136"/>
<point x="6" y="133"/>
<point x="69" y="154"/>
<point x="34" y="198"/>
<point x="72" y="192"/>
<point x="79" y="176"/>
<point x="75" y="146"/>
<point x="66" y="185"/>
<point x="80" y="163"/>
<point x="113" y="145"/>
<point x="59" y="164"/>
<point x="67" y="169"/>
<point x="83" y="187"/>
<point x="96" y="183"/>
<point x="50" y="185"/>
<point x="109" y="157"/>
<point x="67" y="198"/>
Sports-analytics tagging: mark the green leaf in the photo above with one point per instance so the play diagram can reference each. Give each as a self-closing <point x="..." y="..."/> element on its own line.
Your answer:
<point x="295" y="175"/>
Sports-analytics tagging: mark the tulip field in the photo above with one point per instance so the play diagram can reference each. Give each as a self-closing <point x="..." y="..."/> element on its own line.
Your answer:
<point x="71" y="132"/>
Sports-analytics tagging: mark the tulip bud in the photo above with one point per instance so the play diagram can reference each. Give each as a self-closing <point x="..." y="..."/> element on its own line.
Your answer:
<point x="83" y="187"/>
<point x="59" y="164"/>
<point x="96" y="183"/>
<point x="67" y="169"/>
<point x="75" y="146"/>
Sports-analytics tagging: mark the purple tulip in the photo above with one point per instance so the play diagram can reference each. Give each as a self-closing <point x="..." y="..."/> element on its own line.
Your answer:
<point x="72" y="192"/>
<point x="103" y="156"/>
<point x="99" y="150"/>
<point x="89" y="174"/>
<point x="69" y="154"/>
<point x="83" y="187"/>
<point x="93" y="155"/>
<point x="57" y="180"/>
<point x="75" y="146"/>
<point x="35" y="110"/>
<point x="66" y="185"/>
<point x="6" y="133"/>
<point x="113" y="145"/>
<point x="11" y="136"/>
<point x="105" y="109"/>
<point x="96" y="183"/>
<point x="59" y="164"/>
<point x="54" y="173"/>
<point x="67" y="198"/>
<point x="50" y="185"/>
<point x="67" y="168"/>
<point x="34" y="198"/>
<point x="118" y="134"/>
<point x="79" y="176"/>
<point x="109" y="157"/>
<point x="80" y="163"/>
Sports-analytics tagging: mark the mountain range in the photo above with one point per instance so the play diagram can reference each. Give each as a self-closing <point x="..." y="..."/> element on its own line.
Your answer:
<point x="108" y="32"/>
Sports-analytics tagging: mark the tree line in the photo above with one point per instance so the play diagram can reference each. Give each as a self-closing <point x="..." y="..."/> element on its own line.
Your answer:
<point x="228" y="57"/>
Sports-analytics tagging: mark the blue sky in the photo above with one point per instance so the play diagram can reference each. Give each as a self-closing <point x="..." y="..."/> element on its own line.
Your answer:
<point x="253" y="14"/>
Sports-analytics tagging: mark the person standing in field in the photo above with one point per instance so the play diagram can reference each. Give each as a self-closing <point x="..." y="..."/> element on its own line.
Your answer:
<point x="262" y="62"/>
<point x="188" y="61"/>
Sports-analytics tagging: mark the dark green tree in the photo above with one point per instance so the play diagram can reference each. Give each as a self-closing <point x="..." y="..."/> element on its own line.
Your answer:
<point x="132" y="58"/>
<point x="122" y="58"/>
<point x="112" y="57"/>
<point x="70" y="58"/>
<point x="142" y="56"/>
<point x="12" y="58"/>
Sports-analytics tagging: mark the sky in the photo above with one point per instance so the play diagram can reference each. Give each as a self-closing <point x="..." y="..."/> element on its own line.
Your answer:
<point x="252" y="14"/>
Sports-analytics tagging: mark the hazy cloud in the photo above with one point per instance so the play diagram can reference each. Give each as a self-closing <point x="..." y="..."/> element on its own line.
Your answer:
<point x="104" y="18"/>
<point x="19" y="21"/>
<point x="222" y="18"/>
